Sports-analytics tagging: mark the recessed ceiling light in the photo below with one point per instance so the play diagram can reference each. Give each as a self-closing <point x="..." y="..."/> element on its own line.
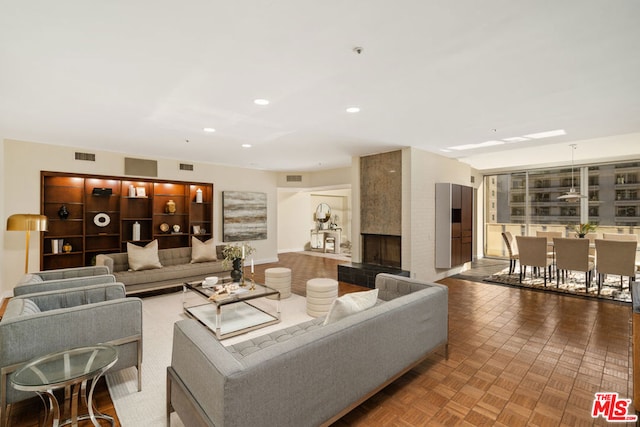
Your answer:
<point x="353" y="109"/>
<point x="479" y="145"/>
<point x="246" y="145"/>
<point x="261" y="101"/>
<point x="209" y="129"/>
<point x="547" y="134"/>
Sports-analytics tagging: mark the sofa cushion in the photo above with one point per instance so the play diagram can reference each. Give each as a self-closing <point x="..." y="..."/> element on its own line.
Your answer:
<point x="202" y="251"/>
<point x="143" y="258"/>
<point x="30" y="278"/>
<point x="349" y="304"/>
<point x="20" y="307"/>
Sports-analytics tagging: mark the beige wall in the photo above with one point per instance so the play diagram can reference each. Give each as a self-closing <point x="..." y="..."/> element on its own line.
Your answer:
<point x="23" y="162"/>
<point x="426" y="170"/>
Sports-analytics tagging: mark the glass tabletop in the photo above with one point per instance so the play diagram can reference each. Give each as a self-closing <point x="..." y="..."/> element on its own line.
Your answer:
<point x="66" y="366"/>
<point x="239" y="294"/>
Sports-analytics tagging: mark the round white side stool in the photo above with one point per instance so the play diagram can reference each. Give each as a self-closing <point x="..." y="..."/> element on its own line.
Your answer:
<point x="320" y="294"/>
<point x="278" y="278"/>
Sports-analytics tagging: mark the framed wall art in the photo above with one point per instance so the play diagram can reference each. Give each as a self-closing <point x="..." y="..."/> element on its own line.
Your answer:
<point x="244" y="216"/>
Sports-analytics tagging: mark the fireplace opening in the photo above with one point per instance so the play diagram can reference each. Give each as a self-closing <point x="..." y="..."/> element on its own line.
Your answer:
<point x="382" y="249"/>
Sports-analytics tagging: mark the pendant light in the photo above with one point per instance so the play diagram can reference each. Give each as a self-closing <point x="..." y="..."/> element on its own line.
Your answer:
<point x="572" y="195"/>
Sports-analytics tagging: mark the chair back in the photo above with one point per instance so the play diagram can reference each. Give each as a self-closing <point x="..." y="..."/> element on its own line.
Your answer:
<point x="616" y="236"/>
<point x="532" y="251"/>
<point x="549" y="235"/>
<point x="572" y="254"/>
<point x="616" y="257"/>
<point x="510" y="242"/>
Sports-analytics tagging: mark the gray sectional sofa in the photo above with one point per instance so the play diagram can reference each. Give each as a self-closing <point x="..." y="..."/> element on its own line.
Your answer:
<point x="309" y="374"/>
<point x="176" y="269"/>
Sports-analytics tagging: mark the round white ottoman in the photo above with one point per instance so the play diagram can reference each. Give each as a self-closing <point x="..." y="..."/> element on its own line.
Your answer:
<point x="320" y="294"/>
<point x="278" y="278"/>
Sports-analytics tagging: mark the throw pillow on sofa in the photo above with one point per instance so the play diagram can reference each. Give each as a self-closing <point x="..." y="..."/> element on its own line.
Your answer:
<point x="143" y="258"/>
<point x="202" y="251"/>
<point x="351" y="303"/>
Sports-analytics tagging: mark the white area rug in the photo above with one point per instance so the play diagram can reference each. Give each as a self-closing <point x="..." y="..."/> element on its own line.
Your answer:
<point x="148" y="407"/>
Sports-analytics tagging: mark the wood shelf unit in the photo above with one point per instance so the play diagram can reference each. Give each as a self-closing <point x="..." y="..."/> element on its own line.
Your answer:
<point x="454" y="225"/>
<point x="103" y="222"/>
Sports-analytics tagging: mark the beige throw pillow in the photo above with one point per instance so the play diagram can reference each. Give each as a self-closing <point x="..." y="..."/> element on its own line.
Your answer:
<point x="351" y="303"/>
<point x="202" y="251"/>
<point x="143" y="258"/>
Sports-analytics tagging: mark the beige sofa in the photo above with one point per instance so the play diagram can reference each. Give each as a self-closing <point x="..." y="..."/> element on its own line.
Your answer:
<point x="176" y="269"/>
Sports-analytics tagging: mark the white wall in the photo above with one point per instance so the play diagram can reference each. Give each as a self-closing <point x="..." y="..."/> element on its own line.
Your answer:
<point x="293" y="220"/>
<point x="425" y="170"/>
<point x="23" y="162"/>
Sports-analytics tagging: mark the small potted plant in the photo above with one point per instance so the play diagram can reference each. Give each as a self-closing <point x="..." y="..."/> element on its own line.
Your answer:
<point x="583" y="229"/>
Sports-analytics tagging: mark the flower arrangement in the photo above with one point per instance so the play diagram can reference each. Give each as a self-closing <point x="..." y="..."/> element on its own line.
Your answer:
<point x="583" y="229"/>
<point x="232" y="252"/>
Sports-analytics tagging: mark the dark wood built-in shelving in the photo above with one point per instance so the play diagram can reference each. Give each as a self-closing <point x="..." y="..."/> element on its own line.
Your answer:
<point x="118" y="211"/>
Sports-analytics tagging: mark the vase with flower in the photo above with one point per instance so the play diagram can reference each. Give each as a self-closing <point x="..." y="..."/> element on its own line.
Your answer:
<point x="234" y="256"/>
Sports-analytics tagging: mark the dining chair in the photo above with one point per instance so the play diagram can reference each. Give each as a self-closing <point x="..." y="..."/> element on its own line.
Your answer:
<point x="512" y="248"/>
<point x="617" y="257"/>
<point x="573" y="255"/>
<point x="532" y="251"/>
<point x="618" y="236"/>
<point x="549" y="235"/>
<point x="592" y="239"/>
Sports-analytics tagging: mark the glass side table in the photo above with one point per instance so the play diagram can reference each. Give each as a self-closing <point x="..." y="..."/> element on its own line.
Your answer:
<point x="69" y="369"/>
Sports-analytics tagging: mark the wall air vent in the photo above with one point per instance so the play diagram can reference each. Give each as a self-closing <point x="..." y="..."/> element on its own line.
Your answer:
<point x="294" y="178"/>
<point x="90" y="157"/>
<point x="186" y="167"/>
<point x="473" y="179"/>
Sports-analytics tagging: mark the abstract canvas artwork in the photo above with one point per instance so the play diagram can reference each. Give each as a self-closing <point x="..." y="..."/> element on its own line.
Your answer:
<point x="244" y="216"/>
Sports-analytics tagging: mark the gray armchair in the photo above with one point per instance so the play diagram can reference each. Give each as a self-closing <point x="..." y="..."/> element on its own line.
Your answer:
<point x="36" y="286"/>
<point x="41" y="323"/>
<point x="67" y="273"/>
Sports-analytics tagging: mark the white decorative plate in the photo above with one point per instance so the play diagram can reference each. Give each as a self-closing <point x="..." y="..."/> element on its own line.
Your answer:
<point x="101" y="219"/>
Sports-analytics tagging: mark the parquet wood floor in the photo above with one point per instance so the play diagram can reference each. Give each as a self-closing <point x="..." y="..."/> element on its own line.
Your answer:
<point x="516" y="358"/>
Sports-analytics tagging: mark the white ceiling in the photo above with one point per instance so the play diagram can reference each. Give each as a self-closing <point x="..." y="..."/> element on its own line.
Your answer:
<point x="143" y="76"/>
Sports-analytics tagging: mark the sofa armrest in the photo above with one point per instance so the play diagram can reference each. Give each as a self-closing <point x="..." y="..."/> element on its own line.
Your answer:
<point x="68" y="298"/>
<point x="105" y="261"/>
<point x="61" y="284"/>
<point x="203" y="363"/>
<point x="391" y="286"/>
<point x="67" y="273"/>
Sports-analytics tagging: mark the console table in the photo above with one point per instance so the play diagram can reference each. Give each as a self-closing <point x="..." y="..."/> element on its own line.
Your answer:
<point x="319" y="239"/>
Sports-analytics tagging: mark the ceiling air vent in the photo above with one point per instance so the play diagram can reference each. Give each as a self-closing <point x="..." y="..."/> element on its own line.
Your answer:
<point x="90" y="157"/>
<point x="186" y="167"/>
<point x="294" y="178"/>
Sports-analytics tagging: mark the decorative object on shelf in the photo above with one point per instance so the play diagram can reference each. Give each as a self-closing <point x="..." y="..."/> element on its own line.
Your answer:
<point x="198" y="196"/>
<point x="132" y="191"/>
<point x="101" y="219"/>
<point x="235" y="254"/>
<point x="141" y="192"/>
<point x="176" y="228"/>
<point x="56" y="245"/>
<point x="170" y="207"/>
<point x="164" y="227"/>
<point x="572" y="195"/>
<point x="102" y="191"/>
<point x="63" y="212"/>
<point x="28" y="223"/>
<point x="136" y="231"/>
<point x="66" y="248"/>
<point x="196" y="229"/>
<point x="244" y="216"/>
<point x="583" y="229"/>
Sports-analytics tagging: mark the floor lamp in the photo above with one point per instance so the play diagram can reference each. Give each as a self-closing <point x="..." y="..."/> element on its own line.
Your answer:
<point x="28" y="223"/>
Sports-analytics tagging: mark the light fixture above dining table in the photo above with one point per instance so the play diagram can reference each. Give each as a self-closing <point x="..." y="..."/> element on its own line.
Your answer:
<point x="572" y="195"/>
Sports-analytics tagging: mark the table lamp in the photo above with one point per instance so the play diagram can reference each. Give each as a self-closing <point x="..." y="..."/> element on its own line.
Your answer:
<point x="28" y="223"/>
